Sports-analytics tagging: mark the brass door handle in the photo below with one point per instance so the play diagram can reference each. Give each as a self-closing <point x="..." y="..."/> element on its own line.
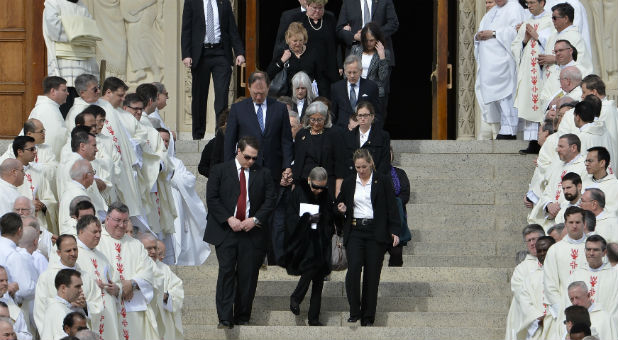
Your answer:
<point x="449" y="83"/>
<point x="433" y="75"/>
<point x="242" y="75"/>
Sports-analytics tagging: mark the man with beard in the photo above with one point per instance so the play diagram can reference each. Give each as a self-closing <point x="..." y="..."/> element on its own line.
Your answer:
<point x="572" y="190"/>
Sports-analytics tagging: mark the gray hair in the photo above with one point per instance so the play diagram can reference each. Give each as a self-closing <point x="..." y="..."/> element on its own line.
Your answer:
<point x="28" y="237"/>
<point x="318" y="174"/>
<point x="580" y="284"/>
<point x="317" y="107"/>
<point x="30" y="203"/>
<point x="597" y="195"/>
<point x="79" y="169"/>
<point x="548" y="125"/>
<point x="7" y="320"/>
<point x="301" y="79"/>
<point x="556" y="227"/>
<point x="75" y="201"/>
<point x="118" y="206"/>
<point x="572" y="73"/>
<point x="533" y="228"/>
<point x="86" y="334"/>
<point x="82" y="81"/>
<point x="160" y="87"/>
<point x="351" y="59"/>
<point x="147" y="236"/>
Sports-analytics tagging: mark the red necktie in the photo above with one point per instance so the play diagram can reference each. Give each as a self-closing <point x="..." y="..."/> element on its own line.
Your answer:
<point x="241" y="206"/>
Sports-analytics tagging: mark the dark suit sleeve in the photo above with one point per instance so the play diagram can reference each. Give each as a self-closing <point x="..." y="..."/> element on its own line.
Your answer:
<point x="393" y="217"/>
<point x="186" y="36"/>
<point x="231" y="134"/>
<point x="392" y="22"/>
<point x="346" y="36"/>
<point x="384" y="161"/>
<point x="270" y="196"/>
<point x="204" y="167"/>
<point x="287" y="146"/>
<point x="404" y="182"/>
<point x="237" y="44"/>
<point x="276" y="65"/>
<point x="214" y="191"/>
<point x="334" y="106"/>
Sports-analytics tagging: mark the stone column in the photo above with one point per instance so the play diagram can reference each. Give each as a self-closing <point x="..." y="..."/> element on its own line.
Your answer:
<point x="466" y="69"/>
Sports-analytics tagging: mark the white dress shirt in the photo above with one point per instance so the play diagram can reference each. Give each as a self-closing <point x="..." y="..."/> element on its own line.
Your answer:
<point x="362" y="198"/>
<point x="215" y="19"/>
<point x="248" y="204"/>
<point x="255" y="107"/>
<point x="363" y="136"/>
<point x="16" y="269"/>
<point x="299" y="106"/>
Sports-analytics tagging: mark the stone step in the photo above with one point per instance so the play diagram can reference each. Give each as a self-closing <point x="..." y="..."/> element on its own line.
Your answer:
<point x="261" y="304"/>
<point x="387" y="319"/>
<point x="337" y="333"/>
<point x="389" y="274"/>
<point x="336" y="288"/>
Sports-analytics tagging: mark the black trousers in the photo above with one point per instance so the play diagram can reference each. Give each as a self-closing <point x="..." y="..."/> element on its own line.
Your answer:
<point x="239" y="266"/>
<point x="316" y="278"/>
<point x="364" y="255"/>
<point x="212" y="62"/>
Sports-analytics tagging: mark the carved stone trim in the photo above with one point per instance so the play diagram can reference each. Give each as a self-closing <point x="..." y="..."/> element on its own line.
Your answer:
<point x="466" y="69"/>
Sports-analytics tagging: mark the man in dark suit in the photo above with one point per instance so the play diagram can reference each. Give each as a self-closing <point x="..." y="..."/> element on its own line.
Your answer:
<point x="343" y="102"/>
<point x="209" y="33"/>
<point x="353" y="17"/>
<point x="267" y="120"/>
<point x="287" y="17"/>
<point x="240" y="196"/>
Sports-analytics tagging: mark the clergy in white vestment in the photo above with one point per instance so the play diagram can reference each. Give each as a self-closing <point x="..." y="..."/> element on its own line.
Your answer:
<point x="45" y="154"/>
<point x="93" y="262"/>
<point x="592" y="132"/>
<point x="108" y="159"/>
<point x="530" y="301"/>
<point x="87" y="87"/>
<point x="496" y="73"/>
<point x="70" y="35"/>
<point x="593" y="199"/>
<point x="571" y="160"/>
<point x="598" y="176"/>
<point x="27" y="246"/>
<point x="521" y="273"/>
<point x="8" y="308"/>
<point x="89" y="303"/>
<point x="40" y="259"/>
<point x="47" y="110"/>
<point x="561" y="261"/>
<point x="548" y="140"/>
<point x="580" y="18"/>
<point x="526" y="48"/>
<point x="189" y="248"/>
<point x="88" y="124"/>
<point x="128" y="189"/>
<point x="82" y="176"/>
<point x="602" y="324"/>
<point x="572" y="191"/>
<point x="128" y="256"/>
<point x="22" y="282"/>
<point x="594" y="85"/>
<point x="569" y="84"/>
<point x="69" y="292"/>
<point x="11" y="177"/>
<point x="38" y="183"/>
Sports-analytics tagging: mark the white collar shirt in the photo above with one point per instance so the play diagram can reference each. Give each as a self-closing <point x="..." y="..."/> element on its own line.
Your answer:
<point x="299" y="106"/>
<point x="362" y="198"/>
<point x="363" y="136"/>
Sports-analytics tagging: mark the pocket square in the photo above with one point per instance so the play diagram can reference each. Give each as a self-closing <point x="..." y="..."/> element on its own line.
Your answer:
<point x="365" y="95"/>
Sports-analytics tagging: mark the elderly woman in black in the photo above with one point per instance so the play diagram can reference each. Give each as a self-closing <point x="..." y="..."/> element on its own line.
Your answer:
<point x="315" y="145"/>
<point x="372" y="224"/>
<point x="308" y="249"/>
<point x="302" y="92"/>
<point x="364" y="136"/>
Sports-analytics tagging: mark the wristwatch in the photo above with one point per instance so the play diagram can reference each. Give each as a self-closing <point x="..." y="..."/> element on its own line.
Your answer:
<point x="134" y="285"/>
<point x="256" y="221"/>
<point x="493" y="34"/>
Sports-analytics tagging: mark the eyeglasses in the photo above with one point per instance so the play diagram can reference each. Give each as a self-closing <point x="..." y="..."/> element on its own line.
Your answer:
<point x="30" y="149"/>
<point x="588" y="161"/>
<point x="19" y="210"/>
<point x="40" y="131"/>
<point x="363" y="115"/>
<point x="562" y="49"/>
<point x="531" y="2"/>
<point x="316" y="120"/>
<point x="317" y="9"/>
<point x="556" y="18"/>
<point x="249" y="157"/>
<point x="119" y="221"/>
<point x="318" y="187"/>
<point x="93" y="172"/>
<point x="95" y="89"/>
<point x="136" y="108"/>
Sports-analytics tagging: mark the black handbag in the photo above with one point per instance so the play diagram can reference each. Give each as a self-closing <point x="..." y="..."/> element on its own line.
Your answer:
<point x="279" y="85"/>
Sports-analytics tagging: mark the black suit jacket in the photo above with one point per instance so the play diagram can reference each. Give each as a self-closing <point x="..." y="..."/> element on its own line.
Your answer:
<point x="378" y="143"/>
<point x="287" y="17"/>
<point x="382" y="13"/>
<point x="386" y="220"/>
<point x="327" y="153"/>
<point x="194" y="30"/>
<point x="222" y="193"/>
<point x="276" y="150"/>
<point x="340" y="100"/>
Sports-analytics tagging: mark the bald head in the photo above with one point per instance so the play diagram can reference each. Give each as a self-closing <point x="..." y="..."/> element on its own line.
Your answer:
<point x="12" y="171"/>
<point x="150" y="243"/>
<point x="612" y="253"/>
<point x="23" y="206"/>
<point x="570" y="78"/>
<point x="80" y="172"/>
<point x="29" y="239"/>
<point x="6" y="328"/>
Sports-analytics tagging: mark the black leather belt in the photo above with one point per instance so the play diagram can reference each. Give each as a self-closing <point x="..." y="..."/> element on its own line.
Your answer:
<point x="362" y="221"/>
<point x="217" y="45"/>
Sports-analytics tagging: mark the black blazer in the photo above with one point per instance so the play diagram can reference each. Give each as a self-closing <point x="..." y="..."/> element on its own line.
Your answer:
<point x="340" y="100"/>
<point x="212" y="154"/>
<point x="386" y="220"/>
<point x="382" y="13"/>
<point x="222" y="193"/>
<point x="308" y="63"/>
<point x="276" y="150"/>
<point x="194" y="31"/>
<point x="378" y="144"/>
<point x="327" y="154"/>
<point x="287" y="17"/>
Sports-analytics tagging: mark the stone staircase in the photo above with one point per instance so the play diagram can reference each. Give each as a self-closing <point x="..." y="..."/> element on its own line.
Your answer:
<point x="465" y="215"/>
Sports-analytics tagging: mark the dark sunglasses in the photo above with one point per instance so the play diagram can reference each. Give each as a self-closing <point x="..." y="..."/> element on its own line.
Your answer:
<point x="318" y="187"/>
<point x="249" y="157"/>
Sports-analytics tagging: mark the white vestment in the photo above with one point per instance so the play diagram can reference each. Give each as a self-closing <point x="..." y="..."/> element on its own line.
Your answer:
<point x="79" y="105"/>
<point x="44" y="155"/>
<point x="107" y="165"/>
<point x="40" y="261"/>
<point x="169" y="315"/>
<point x="189" y="248"/>
<point x="51" y="326"/>
<point x="129" y="257"/>
<point x="48" y="112"/>
<point x="64" y="177"/>
<point x="572" y="35"/>
<point x="17" y="269"/>
<point x="601" y="284"/>
<point x="531" y="305"/>
<point x="552" y="89"/>
<point x="603" y="327"/>
<point x="8" y="195"/>
<point x="39" y="184"/>
<point x="73" y="189"/>
<point x="609" y="186"/>
<point x="520" y="275"/>
<point x="529" y="73"/>
<point x="94" y="263"/>
<point x="595" y="134"/>
<point x="19" y="321"/>
<point x="607" y="226"/>
<point x="609" y="116"/>
<point x="580" y="18"/>
<point x="563" y="207"/>
<point x="547" y="157"/>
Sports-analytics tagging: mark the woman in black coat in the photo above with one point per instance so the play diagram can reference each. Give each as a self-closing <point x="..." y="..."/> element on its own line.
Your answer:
<point x="372" y="224"/>
<point x="308" y="247"/>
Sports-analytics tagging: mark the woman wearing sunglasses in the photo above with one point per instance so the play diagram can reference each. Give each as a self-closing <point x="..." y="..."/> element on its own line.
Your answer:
<point x="309" y="222"/>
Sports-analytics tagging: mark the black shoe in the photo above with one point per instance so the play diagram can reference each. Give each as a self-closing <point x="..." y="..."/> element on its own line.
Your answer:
<point x="353" y="319"/>
<point x="366" y="323"/>
<point x="315" y="323"/>
<point x="225" y="324"/>
<point x="533" y="148"/>
<point x="241" y="323"/>
<point x="499" y="136"/>
<point x="294" y="307"/>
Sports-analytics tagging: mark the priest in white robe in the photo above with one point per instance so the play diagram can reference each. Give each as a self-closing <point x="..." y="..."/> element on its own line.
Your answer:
<point x="603" y="326"/>
<point x="580" y="18"/>
<point x="548" y="140"/>
<point x="598" y="176"/>
<point x="47" y="110"/>
<point x="593" y="199"/>
<point x="27" y="246"/>
<point x="108" y="159"/>
<point x="87" y="87"/>
<point x="526" y="49"/>
<point x="593" y="133"/>
<point x="82" y="176"/>
<point x="594" y="85"/>
<point x="11" y="177"/>
<point x="572" y="191"/>
<point x="8" y="309"/>
<point x="69" y="291"/>
<point x="22" y="282"/>
<point x="45" y="154"/>
<point x="106" y="277"/>
<point x="496" y="74"/>
<point x="128" y="256"/>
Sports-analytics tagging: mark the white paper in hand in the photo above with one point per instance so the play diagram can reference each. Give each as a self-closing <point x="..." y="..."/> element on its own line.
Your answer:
<point x="312" y="209"/>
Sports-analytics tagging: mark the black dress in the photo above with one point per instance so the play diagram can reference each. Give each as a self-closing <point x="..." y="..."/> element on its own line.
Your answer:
<point x="308" y="63"/>
<point x="315" y="150"/>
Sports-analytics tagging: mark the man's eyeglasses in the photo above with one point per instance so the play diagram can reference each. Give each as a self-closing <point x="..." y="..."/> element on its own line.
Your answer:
<point x="32" y="149"/>
<point x="40" y="131"/>
<point x="562" y="49"/>
<point x="119" y="221"/>
<point x="249" y="157"/>
<point x="136" y="108"/>
<point x="95" y="89"/>
<point x="556" y="18"/>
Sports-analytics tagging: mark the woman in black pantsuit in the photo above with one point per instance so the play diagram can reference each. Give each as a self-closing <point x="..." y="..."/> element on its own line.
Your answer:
<point x="371" y="225"/>
<point x="308" y="250"/>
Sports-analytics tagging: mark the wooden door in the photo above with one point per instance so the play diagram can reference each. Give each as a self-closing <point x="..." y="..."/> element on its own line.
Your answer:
<point x="22" y="62"/>
<point x="441" y="71"/>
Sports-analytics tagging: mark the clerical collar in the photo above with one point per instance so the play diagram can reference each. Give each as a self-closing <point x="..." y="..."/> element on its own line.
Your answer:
<point x="82" y="244"/>
<point x="593" y="307"/>
<point x="80" y="185"/>
<point x="7" y="183"/>
<point x="576" y="204"/>
<point x="601" y="215"/>
<point x="65" y="302"/>
<point x="538" y="16"/>
<point x="568" y="239"/>
<point x="574" y="160"/>
<point x="67" y="267"/>
<point x="603" y="265"/>
<point x="570" y="63"/>
<point x="566" y="29"/>
<point x="602" y="179"/>
<point x="585" y="126"/>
